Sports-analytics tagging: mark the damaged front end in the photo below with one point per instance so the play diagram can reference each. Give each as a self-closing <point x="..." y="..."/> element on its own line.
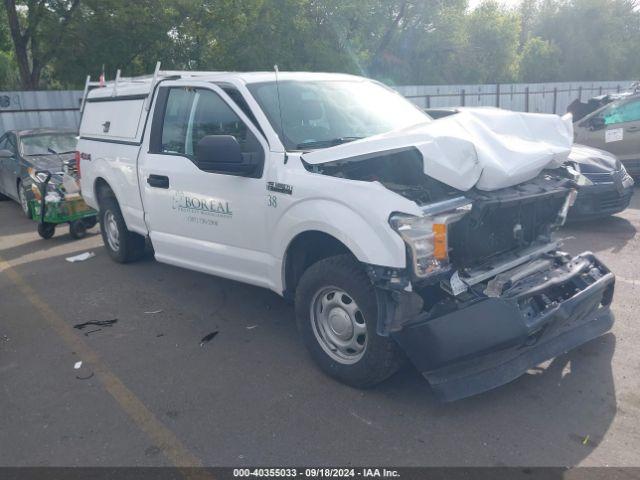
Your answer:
<point x="487" y="294"/>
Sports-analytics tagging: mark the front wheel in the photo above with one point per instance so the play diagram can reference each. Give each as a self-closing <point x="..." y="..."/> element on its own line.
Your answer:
<point x="337" y="312"/>
<point x="122" y="245"/>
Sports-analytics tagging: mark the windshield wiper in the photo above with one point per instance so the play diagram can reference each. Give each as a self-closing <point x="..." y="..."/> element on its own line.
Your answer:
<point x="326" y="143"/>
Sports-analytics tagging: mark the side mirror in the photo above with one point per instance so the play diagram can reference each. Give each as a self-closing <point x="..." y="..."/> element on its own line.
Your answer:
<point x="6" y="154"/>
<point x="596" y="123"/>
<point x="221" y="154"/>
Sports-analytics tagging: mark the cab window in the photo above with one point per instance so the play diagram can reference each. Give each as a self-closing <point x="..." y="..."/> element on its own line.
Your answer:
<point x="191" y="114"/>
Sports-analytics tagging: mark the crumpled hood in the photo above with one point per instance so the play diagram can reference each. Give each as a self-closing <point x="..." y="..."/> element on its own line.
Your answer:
<point x="487" y="148"/>
<point x="593" y="160"/>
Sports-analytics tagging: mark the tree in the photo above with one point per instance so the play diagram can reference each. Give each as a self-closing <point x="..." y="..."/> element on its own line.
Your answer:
<point x="37" y="28"/>
<point x="56" y="43"/>
<point x="539" y="61"/>
<point x="7" y="65"/>
<point x="490" y="52"/>
<point x="597" y="39"/>
<point x="119" y="34"/>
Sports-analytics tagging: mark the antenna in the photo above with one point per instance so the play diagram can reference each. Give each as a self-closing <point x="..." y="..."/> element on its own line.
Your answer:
<point x="275" y="67"/>
<point x="154" y="79"/>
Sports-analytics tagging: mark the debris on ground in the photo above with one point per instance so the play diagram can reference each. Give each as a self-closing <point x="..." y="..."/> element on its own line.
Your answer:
<point x="77" y="365"/>
<point x="84" y="378"/>
<point x="80" y="258"/>
<point x="153" y="312"/>
<point x="4" y="338"/>
<point x="251" y="327"/>
<point x="86" y="334"/>
<point x="207" y="338"/>
<point x="160" y="335"/>
<point x="585" y="440"/>
<point x="95" y="323"/>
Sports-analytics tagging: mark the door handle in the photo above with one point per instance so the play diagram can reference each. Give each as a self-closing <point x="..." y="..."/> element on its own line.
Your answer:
<point x="158" y="181"/>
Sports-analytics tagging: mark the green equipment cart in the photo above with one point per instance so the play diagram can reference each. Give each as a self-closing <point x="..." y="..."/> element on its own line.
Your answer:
<point x="71" y="209"/>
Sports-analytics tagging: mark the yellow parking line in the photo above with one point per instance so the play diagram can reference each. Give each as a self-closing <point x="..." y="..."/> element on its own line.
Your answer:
<point x="160" y="435"/>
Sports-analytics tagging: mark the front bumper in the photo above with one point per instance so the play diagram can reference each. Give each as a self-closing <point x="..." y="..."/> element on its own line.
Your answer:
<point x="600" y="200"/>
<point x="490" y="341"/>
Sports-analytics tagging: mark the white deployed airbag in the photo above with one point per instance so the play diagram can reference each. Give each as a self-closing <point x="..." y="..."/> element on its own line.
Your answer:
<point x="487" y="148"/>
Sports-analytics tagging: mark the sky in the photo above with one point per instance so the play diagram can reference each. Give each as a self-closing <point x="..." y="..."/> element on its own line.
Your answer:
<point x="510" y="3"/>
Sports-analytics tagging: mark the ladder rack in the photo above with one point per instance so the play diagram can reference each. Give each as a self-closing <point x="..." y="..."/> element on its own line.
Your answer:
<point x="150" y="79"/>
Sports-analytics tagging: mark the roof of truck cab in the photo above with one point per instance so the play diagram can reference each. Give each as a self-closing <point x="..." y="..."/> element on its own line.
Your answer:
<point x="141" y="86"/>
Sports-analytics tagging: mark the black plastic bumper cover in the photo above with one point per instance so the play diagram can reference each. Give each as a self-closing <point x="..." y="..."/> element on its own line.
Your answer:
<point x="600" y="200"/>
<point x="492" y="341"/>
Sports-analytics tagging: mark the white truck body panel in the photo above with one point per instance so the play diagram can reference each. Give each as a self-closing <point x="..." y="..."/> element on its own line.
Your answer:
<point x="116" y="164"/>
<point x="122" y="121"/>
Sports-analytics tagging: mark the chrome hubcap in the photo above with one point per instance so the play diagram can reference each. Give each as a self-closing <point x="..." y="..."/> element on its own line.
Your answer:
<point x="339" y="325"/>
<point x="23" y="200"/>
<point x="111" y="230"/>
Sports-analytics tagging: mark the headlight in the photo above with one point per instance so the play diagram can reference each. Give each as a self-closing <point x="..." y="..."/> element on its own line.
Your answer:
<point x="426" y="238"/>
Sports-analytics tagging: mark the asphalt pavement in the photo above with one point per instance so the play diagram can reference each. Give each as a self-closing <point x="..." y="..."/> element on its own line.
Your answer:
<point x="151" y="392"/>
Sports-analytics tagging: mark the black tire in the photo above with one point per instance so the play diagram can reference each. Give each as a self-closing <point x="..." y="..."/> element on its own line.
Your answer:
<point x="90" y="222"/>
<point x="77" y="229"/>
<point x="46" y="230"/>
<point x="130" y="245"/>
<point x="382" y="356"/>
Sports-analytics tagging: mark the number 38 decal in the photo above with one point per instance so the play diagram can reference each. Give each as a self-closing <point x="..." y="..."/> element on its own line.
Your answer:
<point x="272" y="201"/>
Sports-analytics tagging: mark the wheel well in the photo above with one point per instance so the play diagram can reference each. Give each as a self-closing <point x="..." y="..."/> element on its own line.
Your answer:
<point x="304" y="250"/>
<point x="102" y="189"/>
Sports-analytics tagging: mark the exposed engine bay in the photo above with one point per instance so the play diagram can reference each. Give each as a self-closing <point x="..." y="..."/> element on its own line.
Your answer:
<point x="401" y="172"/>
<point x="500" y="221"/>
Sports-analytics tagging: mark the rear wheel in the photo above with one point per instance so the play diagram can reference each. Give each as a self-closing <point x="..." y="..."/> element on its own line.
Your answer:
<point x="22" y="199"/>
<point x="122" y="245"/>
<point x="337" y="312"/>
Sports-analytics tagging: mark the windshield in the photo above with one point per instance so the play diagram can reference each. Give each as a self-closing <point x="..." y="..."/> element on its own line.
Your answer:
<point x="48" y="143"/>
<point x="319" y="114"/>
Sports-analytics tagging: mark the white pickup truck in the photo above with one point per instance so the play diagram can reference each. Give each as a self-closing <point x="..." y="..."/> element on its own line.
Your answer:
<point x="395" y="235"/>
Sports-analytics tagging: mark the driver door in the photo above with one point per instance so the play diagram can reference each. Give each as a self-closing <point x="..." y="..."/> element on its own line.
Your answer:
<point x="212" y="222"/>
